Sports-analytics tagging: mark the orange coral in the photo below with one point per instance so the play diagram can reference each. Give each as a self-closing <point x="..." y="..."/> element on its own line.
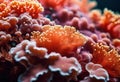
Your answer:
<point x="95" y="15"/>
<point x="109" y="59"/>
<point x="53" y="3"/>
<point x="116" y="42"/>
<point x="20" y="6"/>
<point x="111" y="23"/>
<point x="59" y="39"/>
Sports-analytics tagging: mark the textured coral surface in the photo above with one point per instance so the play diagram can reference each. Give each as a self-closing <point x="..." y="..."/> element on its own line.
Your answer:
<point x="58" y="41"/>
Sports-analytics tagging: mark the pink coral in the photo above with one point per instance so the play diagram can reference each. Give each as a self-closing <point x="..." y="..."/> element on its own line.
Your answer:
<point x="97" y="71"/>
<point x="66" y="66"/>
<point x="84" y="5"/>
<point x="34" y="73"/>
<point x="59" y="39"/>
<point x="8" y="23"/>
<point x="53" y="62"/>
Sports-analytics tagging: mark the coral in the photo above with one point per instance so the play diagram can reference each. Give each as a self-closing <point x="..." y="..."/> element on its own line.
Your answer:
<point x="4" y="38"/>
<point x="108" y="58"/>
<point x="67" y="67"/>
<point x="18" y="7"/>
<point x="34" y="73"/>
<point x="52" y="3"/>
<point x="6" y="56"/>
<point x="116" y="43"/>
<point x="28" y="24"/>
<point x="58" y="41"/>
<point x="111" y="23"/>
<point x="27" y="47"/>
<point x="53" y="62"/>
<point x="95" y="15"/>
<point x="66" y="38"/>
<point x="84" y="5"/>
<point x="8" y="23"/>
<point x="97" y="71"/>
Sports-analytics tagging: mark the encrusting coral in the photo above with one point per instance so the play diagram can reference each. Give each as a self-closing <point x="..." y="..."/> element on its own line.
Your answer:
<point x="53" y="62"/>
<point x="59" y="39"/>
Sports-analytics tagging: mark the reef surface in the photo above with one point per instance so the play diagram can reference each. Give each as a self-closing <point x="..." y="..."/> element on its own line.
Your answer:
<point x="58" y="41"/>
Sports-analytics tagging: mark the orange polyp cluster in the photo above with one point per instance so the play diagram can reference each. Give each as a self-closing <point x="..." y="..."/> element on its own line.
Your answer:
<point x="4" y="10"/>
<point x="2" y="7"/>
<point x="59" y="39"/>
<point x="21" y="6"/>
<point x="111" y="23"/>
<point x="109" y="59"/>
<point x="30" y="6"/>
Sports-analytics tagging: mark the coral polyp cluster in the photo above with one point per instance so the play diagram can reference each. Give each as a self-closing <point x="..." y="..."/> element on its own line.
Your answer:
<point x="108" y="58"/>
<point x="58" y="41"/>
<point x="64" y="40"/>
<point x="20" y="6"/>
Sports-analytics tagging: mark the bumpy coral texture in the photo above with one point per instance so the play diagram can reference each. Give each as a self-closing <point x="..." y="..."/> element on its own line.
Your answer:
<point x="60" y="39"/>
<point x="108" y="58"/>
<point x="7" y="23"/>
<point x="20" y="6"/>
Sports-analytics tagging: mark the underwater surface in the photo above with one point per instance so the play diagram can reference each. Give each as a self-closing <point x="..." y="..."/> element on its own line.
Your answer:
<point x="59" y="41"/>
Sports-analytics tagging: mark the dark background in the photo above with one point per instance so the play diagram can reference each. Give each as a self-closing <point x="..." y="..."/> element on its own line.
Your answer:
<point x="113" y="5"/>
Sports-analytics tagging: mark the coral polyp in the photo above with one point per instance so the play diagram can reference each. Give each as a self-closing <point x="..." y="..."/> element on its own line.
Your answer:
<point x="58" y="41"/>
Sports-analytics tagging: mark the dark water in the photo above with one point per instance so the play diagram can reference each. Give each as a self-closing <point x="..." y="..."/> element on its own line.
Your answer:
<point x="113" y="5"/>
